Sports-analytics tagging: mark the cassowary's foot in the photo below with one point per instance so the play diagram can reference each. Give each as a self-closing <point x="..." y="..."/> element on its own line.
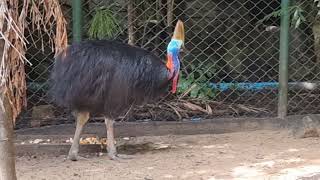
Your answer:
<point x="76" y="158"/>
<point x="125" y="156"/>
<point x="119" y="157"/>
<point x="73" y="156"/>
<point x="112" y="150"/>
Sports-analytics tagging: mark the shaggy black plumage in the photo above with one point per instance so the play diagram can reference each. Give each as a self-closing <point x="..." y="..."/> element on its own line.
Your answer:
<point x="107" y="77"/>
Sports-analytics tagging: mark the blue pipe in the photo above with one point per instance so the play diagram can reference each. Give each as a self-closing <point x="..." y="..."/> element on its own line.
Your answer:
<point x="263" y="86"/>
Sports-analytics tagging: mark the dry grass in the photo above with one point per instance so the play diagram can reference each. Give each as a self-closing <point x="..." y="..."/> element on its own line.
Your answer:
<point x="46" y="16"/>
<point x="186" y="108"/>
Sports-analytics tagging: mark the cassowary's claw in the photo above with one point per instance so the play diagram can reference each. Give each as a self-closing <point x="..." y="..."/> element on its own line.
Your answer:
<point x="125" y="156"/>
<point x="73" y="156"/>
<point x="115" y="158"/>
<point x="120" y="157"/>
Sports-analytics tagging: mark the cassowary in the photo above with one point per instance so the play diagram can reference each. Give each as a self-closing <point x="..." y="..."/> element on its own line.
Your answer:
<point x="107" y="77"/>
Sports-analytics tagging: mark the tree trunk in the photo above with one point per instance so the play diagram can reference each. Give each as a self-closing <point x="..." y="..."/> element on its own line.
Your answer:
<point x="157" y="45"/>
<point x="316" y="35"/>
<point x="170" y="7"/>
<point x="131" y="22"/>
<point x="169" y="12"/>
<point x="7" y="153"/>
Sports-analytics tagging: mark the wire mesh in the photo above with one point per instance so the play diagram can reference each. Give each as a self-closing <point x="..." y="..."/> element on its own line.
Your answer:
<point x="304" y="64"/>
<point x="230" y="68"/>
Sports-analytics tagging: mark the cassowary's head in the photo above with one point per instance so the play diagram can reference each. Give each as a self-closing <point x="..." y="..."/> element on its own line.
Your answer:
<point x="173" y="49"/>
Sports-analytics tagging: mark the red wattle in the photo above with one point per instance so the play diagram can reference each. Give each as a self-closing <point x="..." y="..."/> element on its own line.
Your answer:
<point x="175" y="83"/>
<point x="169" y="65"/>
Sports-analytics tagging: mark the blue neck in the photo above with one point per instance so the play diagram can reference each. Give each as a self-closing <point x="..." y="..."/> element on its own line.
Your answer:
<point x="173" y="50"/>
<point x="176" y="62"/>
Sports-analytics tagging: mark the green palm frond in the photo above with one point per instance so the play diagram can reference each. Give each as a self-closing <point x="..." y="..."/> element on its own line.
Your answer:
<point x="104" y="25"/>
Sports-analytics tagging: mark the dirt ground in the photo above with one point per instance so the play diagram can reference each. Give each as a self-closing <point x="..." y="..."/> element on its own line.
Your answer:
<point x="245" y="155"/>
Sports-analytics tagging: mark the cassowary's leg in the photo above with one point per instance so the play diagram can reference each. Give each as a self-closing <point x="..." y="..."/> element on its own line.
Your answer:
<point x="82" y="119"/>
<point x="112" y="150"/>
<point x="111" y="147"/>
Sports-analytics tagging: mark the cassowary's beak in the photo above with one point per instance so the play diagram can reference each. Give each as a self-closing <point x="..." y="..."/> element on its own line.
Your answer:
<point x="179" y="33"/>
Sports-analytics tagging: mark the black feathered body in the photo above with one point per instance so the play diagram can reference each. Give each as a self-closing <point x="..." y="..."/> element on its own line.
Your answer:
<point x="107" y="77"/>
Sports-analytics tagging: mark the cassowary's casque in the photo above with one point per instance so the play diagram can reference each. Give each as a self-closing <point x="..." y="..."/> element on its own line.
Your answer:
<point x="106" y="77"/>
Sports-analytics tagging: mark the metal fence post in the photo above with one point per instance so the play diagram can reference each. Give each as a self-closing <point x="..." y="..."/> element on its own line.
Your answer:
<point x="283" y="66"/>
<point x="77" y="20"/>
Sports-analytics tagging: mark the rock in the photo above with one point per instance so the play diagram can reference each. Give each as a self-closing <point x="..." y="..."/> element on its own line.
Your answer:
<point x="70" y="140"/>
<point x="308" y="127"/>
<point x="310" y="177"/>
<point x="37" y="141"/>
<point x="41" y="112"/>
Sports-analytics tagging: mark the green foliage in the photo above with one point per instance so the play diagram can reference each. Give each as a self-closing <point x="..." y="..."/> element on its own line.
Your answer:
<point x="196" y="84"/>
<point x="296" y="14"/>
<point x="103" y="25"/>
<point x="297" y="17"/>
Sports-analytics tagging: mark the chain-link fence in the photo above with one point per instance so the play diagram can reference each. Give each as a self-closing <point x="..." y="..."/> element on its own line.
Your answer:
<point x="230" y="67"/>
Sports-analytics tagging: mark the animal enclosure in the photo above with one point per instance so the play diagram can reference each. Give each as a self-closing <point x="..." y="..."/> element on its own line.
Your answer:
<point x="230" y="67"/>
